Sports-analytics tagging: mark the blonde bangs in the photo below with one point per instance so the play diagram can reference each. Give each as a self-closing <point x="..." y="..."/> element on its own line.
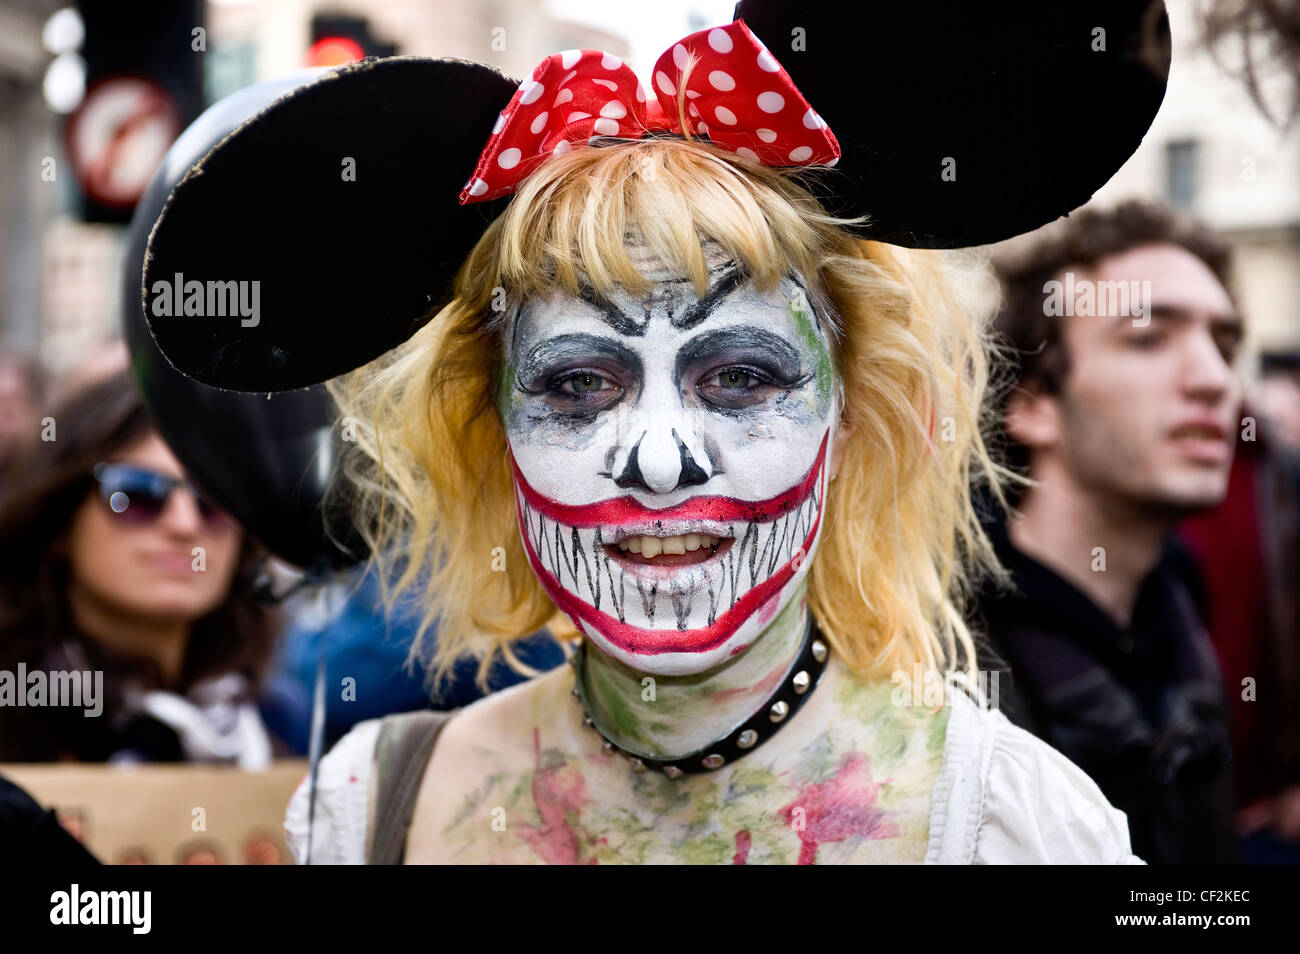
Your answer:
<point x="570" y="221"/>
<point x="428" y="473"/>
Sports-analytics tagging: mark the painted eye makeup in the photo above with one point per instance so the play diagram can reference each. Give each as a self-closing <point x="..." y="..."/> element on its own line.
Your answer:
<point x="740" y="367"/>
<point x="592" y="389"/>
<point x="583" y="383"/>
<point x="579" y="372"/>
<point x="736" y="386"/>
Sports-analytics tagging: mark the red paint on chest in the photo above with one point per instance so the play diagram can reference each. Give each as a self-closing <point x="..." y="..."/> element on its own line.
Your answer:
<point x="558" y="792"/>
<point x="840" y="808"/>
<point x="743" y="841"/>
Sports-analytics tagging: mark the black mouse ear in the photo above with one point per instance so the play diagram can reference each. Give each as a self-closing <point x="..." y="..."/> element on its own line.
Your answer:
<point x="965" y="123"/>
<point x="325" y="230"/>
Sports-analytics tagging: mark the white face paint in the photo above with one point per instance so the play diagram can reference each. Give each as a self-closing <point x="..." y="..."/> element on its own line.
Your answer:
<point x="641" y="427"/>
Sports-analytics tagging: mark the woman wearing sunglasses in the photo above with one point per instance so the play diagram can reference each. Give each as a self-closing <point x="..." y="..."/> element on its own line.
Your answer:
<point x="112" y="562"/>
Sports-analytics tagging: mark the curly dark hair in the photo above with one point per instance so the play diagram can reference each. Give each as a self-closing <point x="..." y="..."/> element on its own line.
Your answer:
<point x="42" y="490"/>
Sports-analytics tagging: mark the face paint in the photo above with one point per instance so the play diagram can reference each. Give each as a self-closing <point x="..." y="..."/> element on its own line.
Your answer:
<point x="669" y="456"/>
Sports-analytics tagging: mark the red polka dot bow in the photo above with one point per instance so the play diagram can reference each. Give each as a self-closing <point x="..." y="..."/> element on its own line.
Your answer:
<point x="736" y="94"/>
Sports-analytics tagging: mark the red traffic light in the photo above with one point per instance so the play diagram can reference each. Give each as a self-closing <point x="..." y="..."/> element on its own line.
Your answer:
<point x="334" y="51"/>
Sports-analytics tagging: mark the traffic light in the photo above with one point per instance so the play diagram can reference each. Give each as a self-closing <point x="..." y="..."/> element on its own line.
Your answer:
<point x="144" y="85"/>
<point x="337" y="39"/>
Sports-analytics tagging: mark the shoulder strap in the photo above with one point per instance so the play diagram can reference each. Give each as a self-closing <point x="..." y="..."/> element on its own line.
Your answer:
<point x="402" y="753"/>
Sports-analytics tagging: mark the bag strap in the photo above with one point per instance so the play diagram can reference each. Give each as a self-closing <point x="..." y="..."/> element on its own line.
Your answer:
<point x="402" y="753"/>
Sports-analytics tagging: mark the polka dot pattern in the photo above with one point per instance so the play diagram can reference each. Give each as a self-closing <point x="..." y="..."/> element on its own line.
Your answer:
<point x="721" y="81"/>
<point x="751" y="104"/>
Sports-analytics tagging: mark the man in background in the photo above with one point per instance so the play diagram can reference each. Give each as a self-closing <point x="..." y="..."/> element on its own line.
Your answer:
<point x="1124" y="414"/>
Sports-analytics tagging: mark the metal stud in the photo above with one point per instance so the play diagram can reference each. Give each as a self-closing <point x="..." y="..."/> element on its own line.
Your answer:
<point x="638" y="765"/>
<point x="778" y="711"/>
<point x="672" y="771"/>
<point x="801" y="682"/>
<point x="586" y="721"/>
<point x="746" y="739"/>
<point x="819" y="650"/>
<point x="609" y="746"/>
<point x="576" y="694"/>
<point x="712" y="761"/>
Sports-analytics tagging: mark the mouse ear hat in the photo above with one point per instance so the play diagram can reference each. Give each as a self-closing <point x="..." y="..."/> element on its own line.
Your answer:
<point x="343" y="210"/>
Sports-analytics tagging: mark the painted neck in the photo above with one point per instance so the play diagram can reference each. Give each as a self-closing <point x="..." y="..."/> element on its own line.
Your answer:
<point x="672" y="716"/>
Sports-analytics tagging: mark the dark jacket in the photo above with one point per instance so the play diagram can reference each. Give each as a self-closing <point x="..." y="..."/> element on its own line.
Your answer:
<point x="1140" y="708"/>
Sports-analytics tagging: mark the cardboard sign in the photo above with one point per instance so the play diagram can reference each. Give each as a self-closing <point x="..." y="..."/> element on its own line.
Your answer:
<point x="166" y="814"/>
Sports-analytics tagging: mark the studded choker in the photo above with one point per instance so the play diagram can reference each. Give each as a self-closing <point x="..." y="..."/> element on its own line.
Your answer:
<point x="744" y="738"/>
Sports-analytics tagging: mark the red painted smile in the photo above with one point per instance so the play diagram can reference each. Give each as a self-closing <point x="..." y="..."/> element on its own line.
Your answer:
<point x="574" y="539"/>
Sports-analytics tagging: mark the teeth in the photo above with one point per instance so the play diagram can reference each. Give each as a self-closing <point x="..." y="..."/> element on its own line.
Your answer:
<point x="651" y="547"/>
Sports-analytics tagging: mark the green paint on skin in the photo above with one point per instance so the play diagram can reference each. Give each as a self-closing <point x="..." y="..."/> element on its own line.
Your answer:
<point x="631" y="851"/>
<point x="704" y="807"/>
<point x="894" y="726"/>
<point x="695" y="820"/>
<point x="767" y="650"/>
<point x="709" y="812"/>
<point x="507" y="397"/>
<point x="474" y="801"/>
<point x="893" y="735"/>
<point x="616" y="708"/>
<point x="662" y="795"/>
<point x="819" y="758"/>
<point x="748" y="781"/>
<point x="615" y="689"/>
<point x="713" y="850"/>
<point x="805" y="326"/>
<point x="938" y="732"/>
<point x="863" y="701"/>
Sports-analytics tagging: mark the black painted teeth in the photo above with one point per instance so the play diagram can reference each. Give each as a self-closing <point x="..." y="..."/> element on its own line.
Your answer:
<point x="578" y="560"/>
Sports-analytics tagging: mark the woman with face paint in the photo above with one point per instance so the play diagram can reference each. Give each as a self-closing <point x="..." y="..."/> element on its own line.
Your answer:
<point x="684" y="409"/>
<point x="698" y="429"/>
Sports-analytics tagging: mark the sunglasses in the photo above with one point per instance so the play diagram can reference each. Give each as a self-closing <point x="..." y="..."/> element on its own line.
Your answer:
<point x="139" y="495"/>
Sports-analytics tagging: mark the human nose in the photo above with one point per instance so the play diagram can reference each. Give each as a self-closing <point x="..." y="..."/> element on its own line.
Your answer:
<point x="661" y="451"/>
<point x="1206" y="375"/>
<point x="181" y="515"/>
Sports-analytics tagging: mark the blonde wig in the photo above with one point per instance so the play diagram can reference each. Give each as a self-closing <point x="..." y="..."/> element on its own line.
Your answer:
<point x="901" y="547"/>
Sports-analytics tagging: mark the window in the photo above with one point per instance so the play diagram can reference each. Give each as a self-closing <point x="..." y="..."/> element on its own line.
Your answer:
<point x="1182" y="161"/>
